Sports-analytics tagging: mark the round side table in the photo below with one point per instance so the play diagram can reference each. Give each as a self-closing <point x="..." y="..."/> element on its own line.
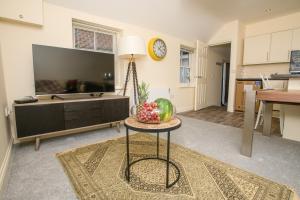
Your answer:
<point x="132" y="124"/>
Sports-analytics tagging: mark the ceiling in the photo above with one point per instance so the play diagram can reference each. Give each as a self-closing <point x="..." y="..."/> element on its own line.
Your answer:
<point x="189" y="19"/>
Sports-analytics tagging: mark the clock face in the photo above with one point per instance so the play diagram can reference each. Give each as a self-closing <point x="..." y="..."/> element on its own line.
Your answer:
<point x="160" y="48"/>
<point x="157" y="49"/>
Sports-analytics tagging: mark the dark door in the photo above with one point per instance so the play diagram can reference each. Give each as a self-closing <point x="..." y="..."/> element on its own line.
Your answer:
<point x="39" y="119"/>
<point x="115" y="110"/>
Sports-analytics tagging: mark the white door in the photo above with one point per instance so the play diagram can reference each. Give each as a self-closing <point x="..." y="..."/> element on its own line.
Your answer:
<point x="296" y="39"/>
<point x="256" y="49"/>
<point x="280" y="46"/>
<point x="200" y="77"/>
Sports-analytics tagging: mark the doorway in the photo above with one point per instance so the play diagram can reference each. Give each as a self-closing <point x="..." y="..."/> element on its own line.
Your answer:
<point x="218" y="74"/>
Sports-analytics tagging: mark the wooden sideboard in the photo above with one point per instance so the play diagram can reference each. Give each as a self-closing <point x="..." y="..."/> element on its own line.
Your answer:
<point x="47" y="118"/>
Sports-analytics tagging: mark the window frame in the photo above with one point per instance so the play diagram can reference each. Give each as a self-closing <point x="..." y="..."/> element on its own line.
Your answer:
<point x="95" y="30"/>
<point x="190" y="66"/>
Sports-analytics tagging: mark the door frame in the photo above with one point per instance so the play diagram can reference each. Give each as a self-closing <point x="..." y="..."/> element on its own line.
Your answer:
<point x="199" y="58"/>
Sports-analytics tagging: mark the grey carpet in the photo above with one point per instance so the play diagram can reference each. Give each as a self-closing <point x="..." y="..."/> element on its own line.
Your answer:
<point x="39" y="176"/>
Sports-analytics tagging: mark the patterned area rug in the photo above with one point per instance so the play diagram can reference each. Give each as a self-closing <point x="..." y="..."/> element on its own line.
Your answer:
<point x="97" y="172"/>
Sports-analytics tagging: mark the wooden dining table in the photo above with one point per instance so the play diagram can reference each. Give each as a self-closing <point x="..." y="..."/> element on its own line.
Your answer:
<point x="268" y="97"/>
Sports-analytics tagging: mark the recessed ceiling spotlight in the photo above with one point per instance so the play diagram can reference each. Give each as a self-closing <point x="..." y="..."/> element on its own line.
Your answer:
<point x="268" y="10"/>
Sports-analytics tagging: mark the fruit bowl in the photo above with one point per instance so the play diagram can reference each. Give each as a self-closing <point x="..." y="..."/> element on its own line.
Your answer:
<point x="161" y="110"/>
<point x="148" y="113"/>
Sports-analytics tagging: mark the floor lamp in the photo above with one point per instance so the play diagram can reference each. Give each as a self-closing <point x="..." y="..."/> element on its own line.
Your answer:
<point x="132" y="47"/>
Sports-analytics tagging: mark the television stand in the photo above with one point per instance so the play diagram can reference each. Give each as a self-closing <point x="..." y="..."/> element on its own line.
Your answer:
<point x="58" y="97"/>
<point x="44" y="119"/>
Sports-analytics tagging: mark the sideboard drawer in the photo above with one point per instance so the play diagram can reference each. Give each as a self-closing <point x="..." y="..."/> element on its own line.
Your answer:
<point x="80" y="106"/>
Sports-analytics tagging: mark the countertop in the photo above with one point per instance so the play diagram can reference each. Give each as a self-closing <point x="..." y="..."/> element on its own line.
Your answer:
<point x="259" y="79"/>
<point x="273" y="77"/>
<point x="248" y="79"/>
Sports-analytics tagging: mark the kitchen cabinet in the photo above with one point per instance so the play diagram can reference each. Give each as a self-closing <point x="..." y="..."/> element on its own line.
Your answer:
<point x="280" y="47"/>
<point x="296" y="39"/>
<point x="256" y="49"/>
<point x="28" y="11"/>
<point x="275" y="47"/>
<point x="240" y="93"/>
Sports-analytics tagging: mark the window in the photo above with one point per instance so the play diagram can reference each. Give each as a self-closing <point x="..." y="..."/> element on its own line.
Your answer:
<point x="185" y="63"/>
<point x="93" y="38"/>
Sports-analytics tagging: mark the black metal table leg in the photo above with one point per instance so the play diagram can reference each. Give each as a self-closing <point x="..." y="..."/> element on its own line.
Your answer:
<point x="127" y="150"/>
<point x="157" y="143"/>
<point x="130" y="124"/>
<point x="168" y="160"/>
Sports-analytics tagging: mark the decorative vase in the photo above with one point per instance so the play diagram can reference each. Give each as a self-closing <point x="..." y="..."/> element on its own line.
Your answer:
<point x="161" y="110"/>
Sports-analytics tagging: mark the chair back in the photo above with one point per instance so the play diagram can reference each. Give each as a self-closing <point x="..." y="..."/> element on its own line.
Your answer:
<point x="266" y="83"/>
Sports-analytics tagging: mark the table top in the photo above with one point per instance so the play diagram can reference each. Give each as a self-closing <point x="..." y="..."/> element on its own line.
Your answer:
<point x="279" y="96"/>
<point x="133" y="124"/>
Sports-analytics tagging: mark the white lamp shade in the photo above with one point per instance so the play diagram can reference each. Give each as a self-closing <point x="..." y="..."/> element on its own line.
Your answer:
<point x="131" y="45"/>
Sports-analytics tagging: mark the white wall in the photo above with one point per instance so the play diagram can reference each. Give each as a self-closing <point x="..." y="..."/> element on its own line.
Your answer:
<point x="232" y="32"/>
<point x="5" y="138"/>
<point x="268" y="26"/>
<point x="17" y="39"/>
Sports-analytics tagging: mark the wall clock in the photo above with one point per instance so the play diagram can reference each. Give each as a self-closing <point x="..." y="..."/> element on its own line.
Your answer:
<point x="157" y="49"/>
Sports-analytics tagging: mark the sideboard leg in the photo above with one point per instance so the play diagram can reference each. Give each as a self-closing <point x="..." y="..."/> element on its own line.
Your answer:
<point x="37" y="143"/>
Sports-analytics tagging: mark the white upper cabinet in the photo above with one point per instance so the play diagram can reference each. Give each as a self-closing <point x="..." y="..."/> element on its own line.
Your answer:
<point x="271" y="48"/>
<point x="29" y="11"/>
<point x="280" y="46"/>
<point x="256" y="49"/>
<point x="296" y="39"/>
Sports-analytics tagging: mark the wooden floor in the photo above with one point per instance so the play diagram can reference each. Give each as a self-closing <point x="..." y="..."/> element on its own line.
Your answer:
<point x="219" y="115"/>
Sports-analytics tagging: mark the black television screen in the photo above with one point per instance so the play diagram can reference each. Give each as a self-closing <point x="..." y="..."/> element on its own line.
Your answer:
<point x="64" y="71"/>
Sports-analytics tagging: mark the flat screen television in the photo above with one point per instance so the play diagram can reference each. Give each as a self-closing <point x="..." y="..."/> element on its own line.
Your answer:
<point x="65" y="71"/>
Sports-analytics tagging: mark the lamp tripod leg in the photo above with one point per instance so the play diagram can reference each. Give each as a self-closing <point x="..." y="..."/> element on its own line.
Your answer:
<point x="135" y="88"/>
<point x="135" y="83"/>
<point x="127" y="78"/>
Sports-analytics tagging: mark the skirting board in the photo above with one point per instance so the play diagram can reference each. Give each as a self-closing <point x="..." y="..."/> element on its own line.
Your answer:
<point x="4" y="167"/>
<point x="184" y="109"/>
